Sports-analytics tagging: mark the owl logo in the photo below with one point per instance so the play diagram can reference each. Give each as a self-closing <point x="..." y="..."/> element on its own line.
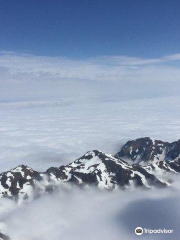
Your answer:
<point x="139" y="231"/>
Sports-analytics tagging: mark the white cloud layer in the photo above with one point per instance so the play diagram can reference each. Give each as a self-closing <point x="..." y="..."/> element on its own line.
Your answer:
<point x="90" y="214"/>
<point x="27" y="76"/>
<point x="53" y="110"/>
<point x="45" y="134"/>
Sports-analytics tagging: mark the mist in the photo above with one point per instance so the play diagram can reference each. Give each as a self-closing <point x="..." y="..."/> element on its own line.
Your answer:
<point x="74" y="213"/>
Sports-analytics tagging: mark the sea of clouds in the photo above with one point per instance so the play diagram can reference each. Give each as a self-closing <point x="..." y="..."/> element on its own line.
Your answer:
<point x="45" y="134"/>
<point x="54" y="110"/>
<point x="73" y="213"/>
<point x="48" y="134"/>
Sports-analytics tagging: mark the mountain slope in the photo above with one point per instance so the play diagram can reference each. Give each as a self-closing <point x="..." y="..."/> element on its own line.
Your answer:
<point x="94" y="168"/>
<point x="99" y="169"/>
<point x="144" y="150"/>
<point x="3" y="237"/>
<point x="105" y="171"/>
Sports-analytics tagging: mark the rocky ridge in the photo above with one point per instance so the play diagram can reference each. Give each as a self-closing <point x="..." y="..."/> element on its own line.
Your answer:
<point x="99" y="169"/>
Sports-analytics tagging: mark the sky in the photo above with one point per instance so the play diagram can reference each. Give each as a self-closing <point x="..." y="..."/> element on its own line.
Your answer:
<point x="51" y="50"/>
<point x="81" y="75"/>
<point x="81" y="61"/>
<point x="117" y="49"/>
<point x="85" y="28"/>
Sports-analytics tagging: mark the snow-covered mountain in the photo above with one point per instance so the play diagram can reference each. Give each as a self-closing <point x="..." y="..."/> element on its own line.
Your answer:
<point x="104" y="171"/>
<point x="98" y="169"/>
<point x="143" y="150"/>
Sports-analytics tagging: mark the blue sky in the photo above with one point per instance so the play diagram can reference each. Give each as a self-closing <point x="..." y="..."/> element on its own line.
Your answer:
<point x="80" y="48"/>
<point x="86" y="28"/>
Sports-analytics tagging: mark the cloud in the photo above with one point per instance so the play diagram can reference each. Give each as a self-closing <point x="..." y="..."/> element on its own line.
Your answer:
<point x="73" y="213"/>
<point x="26" y="76"/>
<point x="19" y="67"/>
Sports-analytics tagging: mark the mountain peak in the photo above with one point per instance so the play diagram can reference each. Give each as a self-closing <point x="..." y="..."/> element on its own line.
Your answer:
<point x="99" y="169"/>
<point x="143" y="150"/>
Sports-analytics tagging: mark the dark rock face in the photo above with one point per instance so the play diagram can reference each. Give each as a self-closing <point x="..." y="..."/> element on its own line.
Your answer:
<point x="172" y="166"/>
<point x="148" y="150"/>
<point x="3" y="237"/>
<point x="173" y="152"/>
<point x="18" y="181"/>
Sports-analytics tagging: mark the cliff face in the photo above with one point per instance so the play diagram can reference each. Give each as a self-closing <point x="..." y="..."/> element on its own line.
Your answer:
<point x="145" y="150"/>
